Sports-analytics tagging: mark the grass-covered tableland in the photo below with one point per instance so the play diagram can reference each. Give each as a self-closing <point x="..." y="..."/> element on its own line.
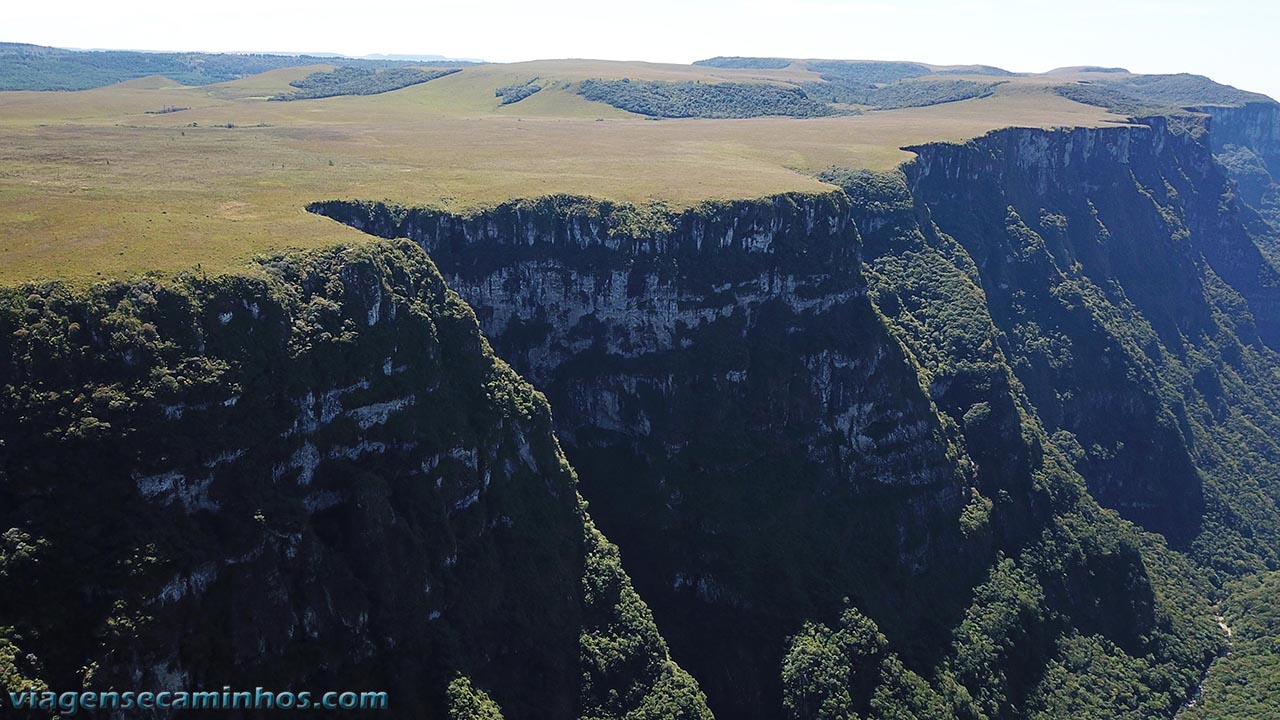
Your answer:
<point x="98" y="183"/>
<point x="1150" y="94"/>
<point x="36" y="67"/>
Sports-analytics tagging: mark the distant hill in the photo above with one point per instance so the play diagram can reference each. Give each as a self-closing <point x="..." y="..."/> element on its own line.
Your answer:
<point x="36" y="67"/>
<point x="419" y="58"/>
<point x="1152" y="94"/>
<point x="758" y="63"/>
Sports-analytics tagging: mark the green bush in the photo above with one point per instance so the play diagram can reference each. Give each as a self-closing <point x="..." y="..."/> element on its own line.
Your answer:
<point x="703" y="100"/>
<point x="518" y="91"/>
<point x="360" y="81"/>
<point x="752" y="63"/>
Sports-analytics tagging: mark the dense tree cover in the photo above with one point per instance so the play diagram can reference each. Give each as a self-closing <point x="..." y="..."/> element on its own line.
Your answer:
<point x="754" y="63"/>
<point x="1255" y="181"/>
<point x="810" y="99"/>
<point x="1194" y="354"/>
<point x="132" y="425"/>
<point x="1030" y="645"/>
<point x="627" y="671"/>
<point x="902" y="94"/>
<point x="849" y="673"/>
<point x="1032" y="591"/>
<point x="360" y="81"/>
<point x="516" y="92"/>
<point x="856" y="72"/>
<point x="34" y="67"/>
<point x="468" y="702"/>
<point x="1154" y="94"/>
<point x="1245" y="683"/>
<point x="988" y="70"/>
<point x="17" y="672"/>
<point x="703" y="100"/>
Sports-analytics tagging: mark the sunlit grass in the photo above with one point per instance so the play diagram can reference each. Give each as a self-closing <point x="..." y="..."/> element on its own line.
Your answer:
<point x="91" y="185"/>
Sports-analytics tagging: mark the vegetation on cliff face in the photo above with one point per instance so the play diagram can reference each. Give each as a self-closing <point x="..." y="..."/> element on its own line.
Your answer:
<point x="1200" y="325"/>
<point x="979" y="439"/>
<point x="627" y="671"/>
<point x="1242" y="684"/>
<point x="707" y="425"/>
<point x="1140" y="319"/>
<point x="1012" y="607"/>
<point x="849" y="672"/>
<point x="1016" y="650"/>
<point x="315" y="477"/>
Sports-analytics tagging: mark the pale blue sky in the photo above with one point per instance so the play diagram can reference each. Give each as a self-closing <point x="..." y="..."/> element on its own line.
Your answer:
<point x="1232" y="41"/>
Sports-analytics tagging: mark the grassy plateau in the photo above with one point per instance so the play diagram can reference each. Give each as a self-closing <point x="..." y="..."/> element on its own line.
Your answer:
<point x="150" y="175"/>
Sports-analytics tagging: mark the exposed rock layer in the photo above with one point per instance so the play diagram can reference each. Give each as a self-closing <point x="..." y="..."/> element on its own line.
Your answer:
<point x="783" y="403"/>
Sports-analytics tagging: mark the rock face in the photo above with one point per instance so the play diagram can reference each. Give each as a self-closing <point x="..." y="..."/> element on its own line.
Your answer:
<point x="1141" y="308"/>
<point x="1246" y="141"/>
<point x="1253" y="125"/>
<point x="917" y="447"/>
<point x="786" y="405"/>
<point x="319" y="479"/>
<point x="763" y="444"/>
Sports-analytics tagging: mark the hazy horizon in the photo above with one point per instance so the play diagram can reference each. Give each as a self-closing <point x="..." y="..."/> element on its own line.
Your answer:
<point x="1229" y="41"/>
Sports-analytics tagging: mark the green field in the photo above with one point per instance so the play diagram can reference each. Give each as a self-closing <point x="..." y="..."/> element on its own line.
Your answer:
<point x="101" y="183"/>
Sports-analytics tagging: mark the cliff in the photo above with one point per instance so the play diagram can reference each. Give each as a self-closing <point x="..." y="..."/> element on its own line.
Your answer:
<point x="1139" y="306"/>
<point x="981" y="438"/>
<point x="904" y="399"/>
<point x="1245" y="139"/>
<point x="759" y="444"/>
<point x="314" y="478"/>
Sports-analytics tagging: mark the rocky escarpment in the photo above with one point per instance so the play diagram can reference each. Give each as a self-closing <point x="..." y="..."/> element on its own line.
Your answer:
<point x="1246" y="141"/>
<point x="704" y="382"/>
<point x="763" y="445"/>
<point x="898" y="450"/>
<point x="313" y="478"/>
<point x="1140" y="307"/>
<point x="1254" y="125"/>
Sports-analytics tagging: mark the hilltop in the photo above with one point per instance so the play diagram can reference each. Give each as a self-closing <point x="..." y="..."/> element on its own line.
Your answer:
<point x="155" y="174"/>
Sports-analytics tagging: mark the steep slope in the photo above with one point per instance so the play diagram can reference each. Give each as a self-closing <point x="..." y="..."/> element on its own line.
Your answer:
<point x="315" y="478"/>
<point x="1005" y="590"/>
<point x="917" y="447"/>
<point x="1241" y="685"/>
<point x="753" y="483"/>
<point x="1246" y="141"/>
<point x="1140" y="310"/>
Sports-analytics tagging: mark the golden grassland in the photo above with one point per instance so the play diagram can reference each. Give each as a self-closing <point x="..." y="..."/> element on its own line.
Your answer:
<point x="94" y="185"/>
